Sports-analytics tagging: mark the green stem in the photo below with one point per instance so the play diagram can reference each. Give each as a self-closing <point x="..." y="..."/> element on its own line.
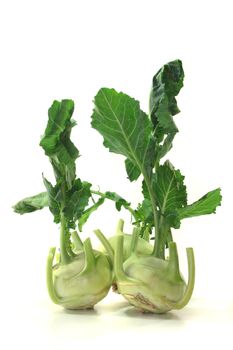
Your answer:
<point x="156" y="250"/>
<point x="65" y="251"/>
<point x="77" y="240"/>
<point x="134" y="240"/>
<point x="169" y="236"/>
<point x="120" y="227"/>
<point x="89" y="256"/>
<point x="164" y="229"/>
<point x="191" y="281"/>
<point x="65" y="257"/>
<point x="105" y="243"/>
<point x="49" y="277"/>
<point x="173" y="263"/>
<point x="118" y="258"/>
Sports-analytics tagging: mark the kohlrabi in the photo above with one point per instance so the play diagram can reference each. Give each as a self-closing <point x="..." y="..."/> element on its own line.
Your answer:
<point x="82" y="276"/>
<point x="151" y="282"/>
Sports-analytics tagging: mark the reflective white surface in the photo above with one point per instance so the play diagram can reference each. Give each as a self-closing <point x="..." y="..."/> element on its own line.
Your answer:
<point x="113" y="324"/>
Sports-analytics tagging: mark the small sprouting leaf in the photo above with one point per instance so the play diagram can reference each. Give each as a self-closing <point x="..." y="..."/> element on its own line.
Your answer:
<point x="31" y="204"/>
<point x="144" y="212"/>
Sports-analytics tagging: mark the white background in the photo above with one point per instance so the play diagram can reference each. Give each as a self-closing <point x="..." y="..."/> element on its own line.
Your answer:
<point x="69" y="49"/>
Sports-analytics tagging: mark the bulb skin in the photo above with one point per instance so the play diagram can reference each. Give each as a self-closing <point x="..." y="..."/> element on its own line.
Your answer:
<point x="149" y="284"/>
<point x="78" y="286"/>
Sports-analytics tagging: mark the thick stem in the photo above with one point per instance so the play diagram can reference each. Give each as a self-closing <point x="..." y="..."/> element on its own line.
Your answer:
<point x="49" y="277"/>
<point x="120" y="227"/>
<point x="65" y="257"/>
<point x="134" y="240"/>
<point x="169" y="236"/>
<point x="89" y="256"/>
<point x="191" y="281"/>
<point x="118" y="256"/>
<point x="173" y="263"/>
<point x="105" y="243"/>
<point x="118" y="259"/>
<point x="164" y="229"/>
<point x="77" y="240"/>
<point x="156" y="250"/>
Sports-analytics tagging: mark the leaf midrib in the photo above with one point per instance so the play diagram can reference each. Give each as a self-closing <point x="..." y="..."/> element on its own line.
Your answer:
<point x="166" y="195"/>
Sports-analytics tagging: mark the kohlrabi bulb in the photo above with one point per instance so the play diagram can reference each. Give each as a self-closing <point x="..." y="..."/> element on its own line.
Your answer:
<point x="81" y="283"/>
<point x="143" y="247"/>
<point x="152" y="284"/>
<point x="156" y="287"/>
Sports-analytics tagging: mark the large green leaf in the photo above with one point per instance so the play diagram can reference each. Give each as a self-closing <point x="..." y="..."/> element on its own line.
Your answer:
<point x="205" y="205"/>
<point x="126" y="130"/>
<point x="56" y="140"/>
<point x="31" y="204"/>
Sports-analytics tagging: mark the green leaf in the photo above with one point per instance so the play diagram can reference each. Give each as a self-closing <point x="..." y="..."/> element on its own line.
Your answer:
<point x="72" y="195"/>
<point x="56" y="140"/>
<point x="167" y="83"/>
<point x="132" y="170"/>
<point x="169" y="188"/>
<point x="205" y="205"/>
<point x="31" y="204"/>
<point x="145" y="213"/>
<point x="166" y="146"/>
<point x="168" y="185"/>
<point x="119" y="201"/>
<point x="78" y="198"/>
<point x="126" y="130"/>
<point x="85" y="216"/>
<point x="53" y="193"/>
